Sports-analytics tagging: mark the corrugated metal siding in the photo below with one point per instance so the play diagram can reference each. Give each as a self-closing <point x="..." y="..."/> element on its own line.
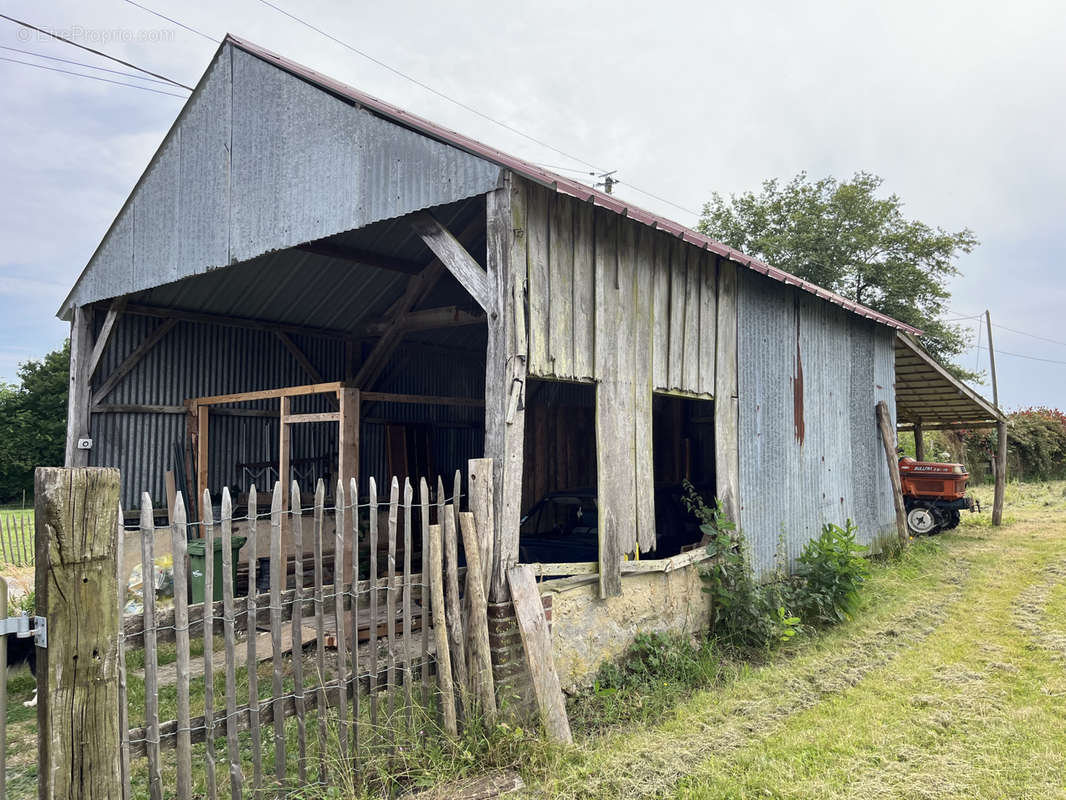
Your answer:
<point x="234" y="179"/>
<point x="199" y="360"/>
<point x="815" y="459"/>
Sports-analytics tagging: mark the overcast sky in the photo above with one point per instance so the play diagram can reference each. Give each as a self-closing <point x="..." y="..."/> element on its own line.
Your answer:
<point x="960" y="107"/>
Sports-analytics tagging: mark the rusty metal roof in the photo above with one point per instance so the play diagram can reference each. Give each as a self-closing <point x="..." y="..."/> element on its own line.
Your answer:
<point x="557" y="182"/>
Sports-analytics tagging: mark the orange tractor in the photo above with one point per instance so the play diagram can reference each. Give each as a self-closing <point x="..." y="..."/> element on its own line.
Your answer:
<point x="934" y="494"/>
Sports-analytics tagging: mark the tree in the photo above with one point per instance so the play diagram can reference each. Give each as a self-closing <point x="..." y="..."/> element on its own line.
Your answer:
<point x="841" y="235"/>
<point x="33" y="421"/>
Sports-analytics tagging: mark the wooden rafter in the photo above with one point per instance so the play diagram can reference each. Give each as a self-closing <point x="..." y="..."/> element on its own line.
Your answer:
<point x="132" y="359"/>
<point x="429" y="319"/>
<point x="418" y="288"/>
<point x="104" y="336"/>
<point x="205" y="318"/>
<point x="455" y="258"/>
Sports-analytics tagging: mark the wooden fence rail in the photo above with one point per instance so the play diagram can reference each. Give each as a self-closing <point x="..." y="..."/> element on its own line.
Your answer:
<point x="17" y="539"/>
<point x="243" y="717"/>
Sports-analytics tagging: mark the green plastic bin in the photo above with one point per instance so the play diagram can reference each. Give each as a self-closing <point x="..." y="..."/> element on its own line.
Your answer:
<point x="197" y="565"/>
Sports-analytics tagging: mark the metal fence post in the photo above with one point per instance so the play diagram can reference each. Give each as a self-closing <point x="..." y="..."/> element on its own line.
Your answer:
<point x="77" y="674"/>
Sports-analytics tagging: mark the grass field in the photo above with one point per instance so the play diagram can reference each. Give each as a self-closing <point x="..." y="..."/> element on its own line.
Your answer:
<point x="950" y="683"/>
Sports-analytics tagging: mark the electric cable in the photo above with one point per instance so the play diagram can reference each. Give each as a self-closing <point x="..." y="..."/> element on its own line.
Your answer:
<point x="95" y="52"/>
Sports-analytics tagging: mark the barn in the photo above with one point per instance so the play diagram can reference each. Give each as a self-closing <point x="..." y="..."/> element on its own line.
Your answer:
<point x="308" y="282"/>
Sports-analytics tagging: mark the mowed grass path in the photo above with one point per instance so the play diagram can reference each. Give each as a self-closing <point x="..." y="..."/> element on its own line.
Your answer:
<point x="950" y="683"/>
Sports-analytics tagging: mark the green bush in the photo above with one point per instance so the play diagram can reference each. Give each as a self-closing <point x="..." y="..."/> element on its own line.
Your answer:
<point x="651" y="676"/>
<point x="654" y="656"/>
<point x="830" y="573"/>
<point x="745" y="612"/>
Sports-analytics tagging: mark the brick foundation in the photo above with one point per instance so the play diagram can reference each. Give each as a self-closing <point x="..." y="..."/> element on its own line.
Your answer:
<point x="514" y="689"/>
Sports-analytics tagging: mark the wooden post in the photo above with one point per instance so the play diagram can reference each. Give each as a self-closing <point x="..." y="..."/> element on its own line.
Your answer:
<point x="1001" y="434"/>
<point x="536" y="641"/>
<point x="1001" y="473"/>
<point x="79" y="742"/>
<point x="505" y="371"/>
<point x="884" y="422"/>
<point x="203" y="414"/>
<point x="480" y="482"/>
<point x="284" y="450"/>
<point x="348" y="436"/>
<point x="79" y="396"/>
<point x="919" y="442"/>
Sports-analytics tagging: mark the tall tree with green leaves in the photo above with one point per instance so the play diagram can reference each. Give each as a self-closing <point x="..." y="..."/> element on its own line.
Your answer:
<point x="843" y="236"/>
<point x="33" y="422"/>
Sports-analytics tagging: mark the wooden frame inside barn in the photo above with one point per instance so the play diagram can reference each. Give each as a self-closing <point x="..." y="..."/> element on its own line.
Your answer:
<point x="309" y="282"/>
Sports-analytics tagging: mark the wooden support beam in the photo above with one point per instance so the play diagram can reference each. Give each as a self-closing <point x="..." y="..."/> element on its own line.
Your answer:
<point x="505" y="373"/>
<point x="137" y="408"/>
<point x="1001" y="473"/>
<point x="284" y="454"/>
<point x="269" y="394"/>
<point x="133" y="359"/>
<point x="536" y="641"/>
<point x="204" y="318"/>
<point x="303" y="361"/>
<point x="418" y="288"/>
<point x="348" y="437"/>
<point x="104" y="336"/>
<point x="888" y="441"/>
<point x="202" y="434"/>
<point x="423" y="399"/>
<point x="456" y="259"/>
<point x="323" y="416"/>
<point x="428" y="319"/>
<point x="919" y="441"/>
<point x="300" y="356"/>
<point x="78" y="390"/>
<point x="328" y="249"/>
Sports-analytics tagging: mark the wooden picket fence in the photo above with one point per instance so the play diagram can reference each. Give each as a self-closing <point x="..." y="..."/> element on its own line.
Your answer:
<point x="17" y="538"/>
<point x="395" y="652"/>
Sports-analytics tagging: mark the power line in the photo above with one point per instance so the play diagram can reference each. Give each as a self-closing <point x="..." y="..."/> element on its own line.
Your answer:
<point x="470" y="108"/>
<point x="429" y="88"/>
<point x="174" y="21"/>
<point x="95" y="52"/>
<point x="1004" y="327"/>
<point x="82" y="64"/>
<point x="1030" y="358"/>
<point x="1030" y="335"/>
<point x="92" y="77"/>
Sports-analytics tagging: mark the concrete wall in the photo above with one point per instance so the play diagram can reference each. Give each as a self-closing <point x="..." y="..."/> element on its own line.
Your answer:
<point x="587" y="630"/>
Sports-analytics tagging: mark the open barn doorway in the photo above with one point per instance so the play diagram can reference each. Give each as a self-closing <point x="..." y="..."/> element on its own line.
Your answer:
<point x="683" y="445"/>
<point x="559" y="516"/>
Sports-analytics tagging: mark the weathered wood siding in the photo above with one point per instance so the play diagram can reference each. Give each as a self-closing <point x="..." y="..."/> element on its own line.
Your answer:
<point x="636" y="311"/>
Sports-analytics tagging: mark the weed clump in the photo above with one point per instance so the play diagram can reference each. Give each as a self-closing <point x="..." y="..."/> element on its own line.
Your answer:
<point x="651" y="676"/>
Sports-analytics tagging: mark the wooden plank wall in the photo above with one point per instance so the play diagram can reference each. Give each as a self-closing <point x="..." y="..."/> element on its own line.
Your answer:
<point x="637" y="311"/>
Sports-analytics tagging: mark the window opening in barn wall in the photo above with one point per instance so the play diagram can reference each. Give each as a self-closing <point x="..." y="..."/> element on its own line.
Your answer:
<point x="559" y="513"/>
<point x="683" y="449"/>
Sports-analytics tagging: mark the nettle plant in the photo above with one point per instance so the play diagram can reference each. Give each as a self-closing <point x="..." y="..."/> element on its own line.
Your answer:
<point x="759" y="614"/>
<point x="744" y="612"/>
<point x="832" y="571"/>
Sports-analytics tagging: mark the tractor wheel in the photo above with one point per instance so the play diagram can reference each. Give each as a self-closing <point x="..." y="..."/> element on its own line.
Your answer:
<point x="922" y="521"/>
<point x="953" y="520"/>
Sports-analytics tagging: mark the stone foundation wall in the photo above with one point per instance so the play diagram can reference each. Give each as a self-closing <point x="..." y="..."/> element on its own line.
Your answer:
<point x="586" y="631"/>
